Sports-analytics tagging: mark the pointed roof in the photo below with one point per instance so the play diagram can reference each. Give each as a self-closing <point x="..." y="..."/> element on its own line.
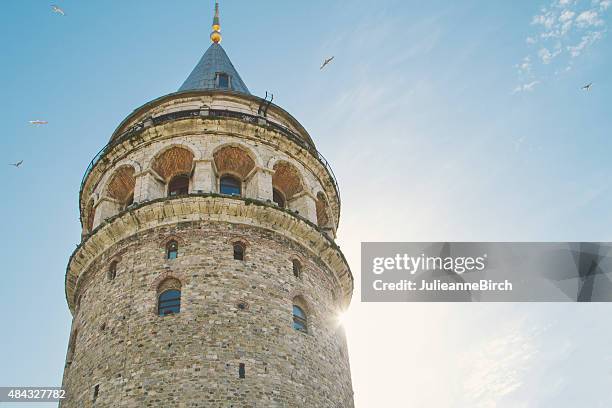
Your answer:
<point x="215" y="70"/>
<point x="205" y="75"/>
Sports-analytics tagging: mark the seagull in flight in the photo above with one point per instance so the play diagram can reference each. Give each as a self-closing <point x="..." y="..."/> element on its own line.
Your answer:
<point x="326" y="62"/>
<point x="587" y="87"/>
<point x="58" y="10"/>
<point x="19" y="163"/>
<point x="38" y="122"/>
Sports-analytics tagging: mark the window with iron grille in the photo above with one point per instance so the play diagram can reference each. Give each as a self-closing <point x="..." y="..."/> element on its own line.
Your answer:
<point x="169" y="302"/>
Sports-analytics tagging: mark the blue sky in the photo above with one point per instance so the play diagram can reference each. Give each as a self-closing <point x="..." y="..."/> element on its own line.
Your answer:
<point x="443" y="120"/>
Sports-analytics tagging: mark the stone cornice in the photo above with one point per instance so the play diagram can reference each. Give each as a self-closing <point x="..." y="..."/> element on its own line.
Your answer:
<point x="152" y="173"/>
<point x="266" y="170"/>
<point x="206" y="207"/>
<point x="301" y="194"/>
<point x="106" y="198"/>
<point x="205" y="98"/>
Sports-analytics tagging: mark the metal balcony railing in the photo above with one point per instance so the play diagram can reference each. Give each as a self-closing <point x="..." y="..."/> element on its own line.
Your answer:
<point x="211" y="113"/>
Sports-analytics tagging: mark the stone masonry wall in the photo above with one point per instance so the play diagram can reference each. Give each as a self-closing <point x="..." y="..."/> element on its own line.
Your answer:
<point x="191" y="359"/>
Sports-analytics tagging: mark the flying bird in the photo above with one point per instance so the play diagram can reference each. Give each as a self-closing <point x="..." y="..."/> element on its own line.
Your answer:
<point x="326" y="62"/>
<point x="38" y="122"/>
<point x="587" y="87"/>
<point x="19" y="163"/>
<point x="57" y="10"/>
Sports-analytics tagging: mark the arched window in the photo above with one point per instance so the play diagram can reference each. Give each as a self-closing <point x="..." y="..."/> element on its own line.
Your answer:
<point x="239" y="249"/>
<point x="297" y="268"/>
<point x="300" y="322"/>
<point x="278" y="198"/>
<point x="234" y="163"/>
<point x="179" y="185"/>
<point x="169" y="302"/>
<point x="172" y="250"/>
<point x="112" y="271"/>
<point x="230" y="185"/>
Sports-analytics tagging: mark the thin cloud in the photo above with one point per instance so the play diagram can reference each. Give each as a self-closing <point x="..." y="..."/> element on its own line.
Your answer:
<point x="547" y="20"/>
<point x="499" y="366"/>
<point x="589" y="18"/>
<point x="566" y="15"/>
<point x="585" y="42"/>
<point x="547" y="56"/>
<point x="525" y="65"/>
<point x="563" y="30"/>
<point x="526" y="87"/>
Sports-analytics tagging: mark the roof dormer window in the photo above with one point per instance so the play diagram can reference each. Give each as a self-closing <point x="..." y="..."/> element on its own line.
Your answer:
<point x="223" y="80"/>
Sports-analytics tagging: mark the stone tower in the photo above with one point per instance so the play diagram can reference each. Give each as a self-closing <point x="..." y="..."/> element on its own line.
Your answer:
<point x="208" y="275"/>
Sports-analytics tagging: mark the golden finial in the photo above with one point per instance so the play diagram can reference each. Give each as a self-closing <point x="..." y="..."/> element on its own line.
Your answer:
<point x="215" y="36"/>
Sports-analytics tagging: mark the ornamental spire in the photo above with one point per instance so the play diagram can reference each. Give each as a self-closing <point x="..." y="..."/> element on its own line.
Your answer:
<point x="215" y="36"/>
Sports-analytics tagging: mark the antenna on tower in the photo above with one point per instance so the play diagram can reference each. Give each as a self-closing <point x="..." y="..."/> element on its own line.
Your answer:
<point x="265" y="104"/>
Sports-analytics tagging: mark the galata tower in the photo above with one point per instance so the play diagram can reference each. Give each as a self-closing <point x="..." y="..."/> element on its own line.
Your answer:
<point x="207" y="274"/>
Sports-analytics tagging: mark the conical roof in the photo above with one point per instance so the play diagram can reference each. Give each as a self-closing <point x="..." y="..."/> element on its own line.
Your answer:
<point x="215" y="71"/>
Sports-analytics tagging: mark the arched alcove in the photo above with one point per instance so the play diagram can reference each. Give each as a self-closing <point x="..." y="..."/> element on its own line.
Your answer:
<point x="233" y="164"/>
<point x="173" y="161"/>
<point x="121" y="186"/>
<point x="287" y="179"/>
<point x="233" y="160"/>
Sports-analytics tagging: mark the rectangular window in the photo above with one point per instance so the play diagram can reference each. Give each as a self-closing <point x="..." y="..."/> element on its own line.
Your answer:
<point x="223" y="80"/>
<point x="242" y="371"/>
